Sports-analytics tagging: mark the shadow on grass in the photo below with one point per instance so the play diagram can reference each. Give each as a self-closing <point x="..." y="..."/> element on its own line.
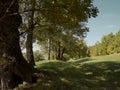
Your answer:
<point x="102" y="75"/>
<point x="88" y="76"/>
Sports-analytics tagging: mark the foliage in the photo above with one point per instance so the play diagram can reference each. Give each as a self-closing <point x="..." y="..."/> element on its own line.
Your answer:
<point x="117" y="42"/>
<point x="66" y="57"/>
<point x="38" y="56"/>
<point x="109" y="44"/>
<point x="57" y="20"/>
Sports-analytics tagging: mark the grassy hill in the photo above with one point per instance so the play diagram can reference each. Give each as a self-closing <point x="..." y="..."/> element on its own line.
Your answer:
<point x="96" y="73"/>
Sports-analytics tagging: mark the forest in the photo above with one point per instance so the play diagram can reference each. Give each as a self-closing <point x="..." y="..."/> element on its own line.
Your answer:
<point x="64" y="61"/>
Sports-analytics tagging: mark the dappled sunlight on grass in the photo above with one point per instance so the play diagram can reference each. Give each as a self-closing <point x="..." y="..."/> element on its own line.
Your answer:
<point x="104" y="73"/>
<point x="84" y="74"/>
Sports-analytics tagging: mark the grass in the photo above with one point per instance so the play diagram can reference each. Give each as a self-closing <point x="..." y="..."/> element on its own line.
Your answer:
<point x="96" y="73"/>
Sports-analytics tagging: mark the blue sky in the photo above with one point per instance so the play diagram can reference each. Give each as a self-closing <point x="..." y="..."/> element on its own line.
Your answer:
<point x="108" y="20"/>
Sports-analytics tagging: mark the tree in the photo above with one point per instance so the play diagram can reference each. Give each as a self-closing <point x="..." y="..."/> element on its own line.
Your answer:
<point x="117" y="42"/>
<point x="65" y="16"/>
<point x="106" y="46"/>
<point x="111" y="40"/>
<point x="59" y="14"/>
<point x="104" y="43"/>
<point x="10" y="20"/>
<point x="28" y="26"/>
<point x="29" y="41"/>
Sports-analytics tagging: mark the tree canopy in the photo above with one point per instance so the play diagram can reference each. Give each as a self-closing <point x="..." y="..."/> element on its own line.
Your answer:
<point x="55" y="19"/>
<point x="109" y="44"/>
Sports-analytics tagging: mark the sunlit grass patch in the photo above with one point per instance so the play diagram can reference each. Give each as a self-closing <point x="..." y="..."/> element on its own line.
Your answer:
<point x="96" y="73"/>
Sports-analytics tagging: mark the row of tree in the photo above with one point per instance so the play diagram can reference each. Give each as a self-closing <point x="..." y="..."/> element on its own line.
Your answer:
<point x="67" y="48"/>
<point x="58" y="25"/>
<point x="46" y="20"/>
<point x="109" y="44"/>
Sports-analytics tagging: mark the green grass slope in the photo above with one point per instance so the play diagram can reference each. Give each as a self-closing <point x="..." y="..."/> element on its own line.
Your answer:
<point x="96" y="73"/>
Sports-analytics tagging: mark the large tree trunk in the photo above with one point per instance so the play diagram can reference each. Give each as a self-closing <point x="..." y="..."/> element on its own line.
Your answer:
<point x="16" y="66"/>
<point x="29" y="42"/>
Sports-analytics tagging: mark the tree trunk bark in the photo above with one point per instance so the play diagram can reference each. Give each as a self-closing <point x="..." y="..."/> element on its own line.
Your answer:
<point x="56" y="50"/>
<point x="29" y="42"/>
<point x="16" y="65"/>
<point x="29" y="49"/>
<point x="63" y="50"/>
<point x="49" y="49"/>
<point x="59" y="51"/>
<point x="53" y="51"/>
